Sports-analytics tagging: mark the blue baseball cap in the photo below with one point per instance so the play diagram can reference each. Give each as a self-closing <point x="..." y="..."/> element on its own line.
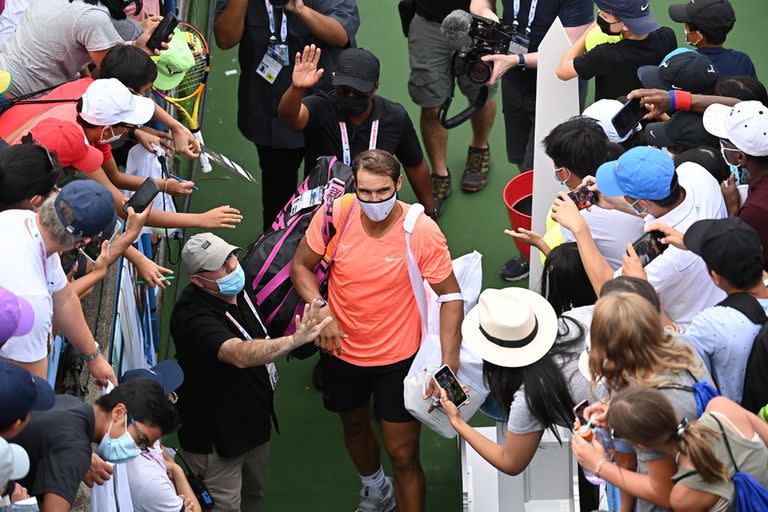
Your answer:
<point x="91" y="205"/>
<point x="21" y="392"/>
<point x="681" y="69"/>
<point x="642" y="172"/>
<point x="635" y="14"/>
<point x="167" y="373"/>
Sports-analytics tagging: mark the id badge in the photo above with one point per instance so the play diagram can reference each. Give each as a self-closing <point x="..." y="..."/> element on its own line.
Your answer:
<point x="281" y="54"/>
<point x="519" y="44"/>
<point x="270" y="66"/>
<point x="273" y="376"/>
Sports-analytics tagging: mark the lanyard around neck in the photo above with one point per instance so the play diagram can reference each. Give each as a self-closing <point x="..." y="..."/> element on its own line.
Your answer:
<point x="346" y="153"/>
<point x="283" y="25"/>
<point x="531" y="13"/>
<point x="32" y="228"/>
<point x="240" y="328"/>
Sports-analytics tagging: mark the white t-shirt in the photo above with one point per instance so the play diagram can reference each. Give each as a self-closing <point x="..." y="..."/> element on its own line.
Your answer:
<point x="680" y="277"/>
<point x="612" y="230"/>
<point x="11" y="16"/>
<point x="51" y="43"/>
<point x="23" y="272"/>
<point x="151" y="488"/>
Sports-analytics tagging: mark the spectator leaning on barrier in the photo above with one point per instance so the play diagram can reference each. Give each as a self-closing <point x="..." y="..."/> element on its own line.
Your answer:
<point x="644" y="182"/>
<point x="226" y="400"/>
<point x="31" y="267"/>
<point x="722" y="334"/>
<point x="518" y="86"/>
<point x="743" y="133"/>
<point x="614" y="66"/>
<point x="429" y="53"/>
<point x="707" y="24"/>
<point x="124" y="423"/>
<point x="269" y="37"/>
<point x="375" y="330"/>
<point x="352" y="118"/>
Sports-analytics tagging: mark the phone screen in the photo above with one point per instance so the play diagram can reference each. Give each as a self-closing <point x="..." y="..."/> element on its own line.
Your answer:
<point x="68" y="260"/>
<point x="578" y="411"/>
<point x="649" y="246"/>
<point x="142" y="197"/>
<point x="448" y="381"/>
<point x="583" y="197"/>
<point x="93" y="249"/>
<point x="628" y="117"/>
<point x="162" y="31"/>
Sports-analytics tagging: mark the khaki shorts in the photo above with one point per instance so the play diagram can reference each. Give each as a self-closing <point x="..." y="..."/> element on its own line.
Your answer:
<point x="429" y="53"/>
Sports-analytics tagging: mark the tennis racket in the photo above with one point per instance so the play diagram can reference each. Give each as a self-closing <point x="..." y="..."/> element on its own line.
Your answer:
<point x="186" y="97"/>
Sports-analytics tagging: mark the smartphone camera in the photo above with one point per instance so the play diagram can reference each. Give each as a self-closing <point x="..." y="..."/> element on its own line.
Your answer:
<point x="448" y="381"/>
<point x="649" y="246"/>
<point x="583" y="197"/>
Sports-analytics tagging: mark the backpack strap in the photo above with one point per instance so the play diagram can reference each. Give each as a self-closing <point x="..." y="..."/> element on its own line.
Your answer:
<point x="747" y="305"/>
<point x="727" y="443"/>
<point x="333" y="237"/>
<point x="417" y="281"/>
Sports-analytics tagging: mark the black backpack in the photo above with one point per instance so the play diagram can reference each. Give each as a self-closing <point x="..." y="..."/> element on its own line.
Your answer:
<point x="755" y="384"/>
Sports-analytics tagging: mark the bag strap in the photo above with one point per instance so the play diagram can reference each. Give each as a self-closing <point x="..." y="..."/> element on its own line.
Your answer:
<point x="348" y="204"/>
<point x="747" y="305"/>
<point x="417" y="281"/>
<point x="727" y="443"/>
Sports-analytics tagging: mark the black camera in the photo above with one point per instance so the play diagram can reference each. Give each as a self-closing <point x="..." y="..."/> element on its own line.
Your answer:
<point x="488" y="38"/>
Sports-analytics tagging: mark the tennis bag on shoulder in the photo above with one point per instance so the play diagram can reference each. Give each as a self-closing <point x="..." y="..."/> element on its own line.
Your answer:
<point x="267" y="264"/>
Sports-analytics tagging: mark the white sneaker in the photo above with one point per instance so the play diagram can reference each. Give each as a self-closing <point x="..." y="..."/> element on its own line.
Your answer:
<point x="384" y="504"/>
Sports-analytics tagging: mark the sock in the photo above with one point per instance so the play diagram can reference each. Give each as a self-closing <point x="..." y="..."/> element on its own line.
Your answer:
<point x="376" y="483"/>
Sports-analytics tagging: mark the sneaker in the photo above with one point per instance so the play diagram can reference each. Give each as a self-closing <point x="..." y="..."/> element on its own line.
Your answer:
<point x="515" y="269"/>
<point x="441" y="190"/>
<point x="476" y="169"/>
<point x="385" y="504"/>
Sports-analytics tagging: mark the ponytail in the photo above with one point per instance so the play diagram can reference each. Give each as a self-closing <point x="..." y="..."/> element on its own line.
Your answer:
<point x="695" y="441"/>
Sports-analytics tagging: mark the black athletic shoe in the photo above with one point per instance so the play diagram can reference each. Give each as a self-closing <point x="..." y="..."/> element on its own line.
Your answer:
<point x="515" y="269"/>
<point x="476" y="169"/>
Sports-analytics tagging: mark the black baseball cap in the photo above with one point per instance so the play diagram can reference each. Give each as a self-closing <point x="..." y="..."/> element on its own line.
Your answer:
<point x="21" y="392"/>
<point x="683" y="130"/>
<point x="728" y="246"/>
<point x="682" y="69"/>
<point x="167" y="373"/>
<point x="715" y="15"/>
<point x="357" y="68"/>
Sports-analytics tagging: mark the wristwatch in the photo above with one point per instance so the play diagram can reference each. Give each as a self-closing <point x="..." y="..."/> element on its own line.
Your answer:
<point x="93" y="355"/>
<point x="521" y="63"/>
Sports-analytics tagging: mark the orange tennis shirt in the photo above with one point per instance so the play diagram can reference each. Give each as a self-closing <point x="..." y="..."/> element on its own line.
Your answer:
<point x="369" y="290"/>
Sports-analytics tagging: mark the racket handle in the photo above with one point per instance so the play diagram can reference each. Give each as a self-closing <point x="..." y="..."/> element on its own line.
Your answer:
<point x="205" y="164"/>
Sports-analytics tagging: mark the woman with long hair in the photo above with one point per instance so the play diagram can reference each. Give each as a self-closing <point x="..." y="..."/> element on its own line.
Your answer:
<point x="565" y="283"/>
<point x="708" y="450"/>
<point x="630" y="347"/>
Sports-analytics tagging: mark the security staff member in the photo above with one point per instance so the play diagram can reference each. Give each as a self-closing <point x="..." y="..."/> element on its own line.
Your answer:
<point x="269" y="37"/>
<point x="229" y="374"/>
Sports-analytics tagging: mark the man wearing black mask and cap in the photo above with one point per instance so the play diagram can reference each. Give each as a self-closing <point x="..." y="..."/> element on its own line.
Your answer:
<point x="351" y="118"/>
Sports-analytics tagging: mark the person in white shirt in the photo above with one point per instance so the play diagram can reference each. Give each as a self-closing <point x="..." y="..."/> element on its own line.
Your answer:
<point x="724" y="334"/>
<point x="644" y="181"/>
<point x="31" y="268"/>
<point x="578" y="147"/>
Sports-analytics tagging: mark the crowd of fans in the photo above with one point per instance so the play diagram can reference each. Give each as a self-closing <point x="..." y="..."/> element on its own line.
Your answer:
<point x="645" y="340"/>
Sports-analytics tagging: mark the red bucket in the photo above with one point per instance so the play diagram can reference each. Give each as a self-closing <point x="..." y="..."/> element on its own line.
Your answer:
<point x="518" y="196"/>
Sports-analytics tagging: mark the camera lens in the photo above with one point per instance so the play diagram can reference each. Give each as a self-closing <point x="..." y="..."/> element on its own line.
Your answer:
<point x="480" y="72"/>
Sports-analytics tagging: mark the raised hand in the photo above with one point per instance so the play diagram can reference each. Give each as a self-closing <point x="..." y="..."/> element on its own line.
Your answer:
<point x="306" y="74"/>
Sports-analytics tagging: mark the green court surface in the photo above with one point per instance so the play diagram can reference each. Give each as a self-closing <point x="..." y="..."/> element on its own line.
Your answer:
<point x="309" y="468"/>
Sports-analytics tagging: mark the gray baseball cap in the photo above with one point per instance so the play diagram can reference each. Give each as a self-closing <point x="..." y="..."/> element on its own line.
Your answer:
<point x="206" y="252"/>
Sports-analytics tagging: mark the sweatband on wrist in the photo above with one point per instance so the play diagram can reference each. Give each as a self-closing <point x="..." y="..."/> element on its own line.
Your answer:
<point x="684" y="100"/>
<point x="448" y="297"/>
<point x="672" y="100"/>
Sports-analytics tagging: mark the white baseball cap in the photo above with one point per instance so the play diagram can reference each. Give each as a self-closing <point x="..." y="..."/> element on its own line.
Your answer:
<point x="108" y="102"/>
<point x="603" y="112"/>
<point x="745" y="125"/>
<point x="14" y="462"/>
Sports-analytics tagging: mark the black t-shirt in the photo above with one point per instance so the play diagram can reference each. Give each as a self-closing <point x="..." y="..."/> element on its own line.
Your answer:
<point x="221" y="406"/>
<point x="257" y="99"/>
<point x="614" y="65"/>
<point x="322" y="135"/>
<point x="573" y="13"/>
<point x="58" y="442"/>
<point x="437" y="10"/>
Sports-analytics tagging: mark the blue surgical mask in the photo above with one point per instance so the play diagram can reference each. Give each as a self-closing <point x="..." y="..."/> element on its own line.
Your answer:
<point x="119" y="449"/>
<point x="557" y="178"/>
<point x="232" y="283"/>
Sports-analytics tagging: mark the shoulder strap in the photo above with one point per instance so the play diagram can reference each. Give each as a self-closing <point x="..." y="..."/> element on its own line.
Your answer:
<point x="727" y="443"/>
<point x="417" y="281"/>
<point x="746" y="304"/>
<point x="332" y="242"/>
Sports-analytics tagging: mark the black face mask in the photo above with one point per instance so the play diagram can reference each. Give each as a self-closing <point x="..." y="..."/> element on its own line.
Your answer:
<point x="350" y="105"/>
<point x="605" y="26"/>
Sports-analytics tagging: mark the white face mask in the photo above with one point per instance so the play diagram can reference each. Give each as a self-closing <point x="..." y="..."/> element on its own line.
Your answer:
<point x="378" y="211"/>
<point x="111" y="139"/>
<point x="685" y="38"/>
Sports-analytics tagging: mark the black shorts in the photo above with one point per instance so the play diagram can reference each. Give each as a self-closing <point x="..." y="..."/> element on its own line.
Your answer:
<point x="348" y="386"/>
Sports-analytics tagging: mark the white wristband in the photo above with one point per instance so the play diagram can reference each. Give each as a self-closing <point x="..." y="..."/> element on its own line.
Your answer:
<point x="448" y="297"/>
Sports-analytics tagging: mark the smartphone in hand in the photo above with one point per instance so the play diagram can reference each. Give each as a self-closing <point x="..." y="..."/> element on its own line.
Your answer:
<point x="578" y="411"/>
<point x="142" y="197"/>
<point x="93" y="249"/>
<point x="163" y="31"/>
<point x="649" y="246"/>
<point x="628" y="116"/>
<point x="583" y="197"/>
<point x="448" y="381"/>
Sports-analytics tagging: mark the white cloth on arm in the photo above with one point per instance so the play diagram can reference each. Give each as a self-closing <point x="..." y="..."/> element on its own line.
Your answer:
<point x="680" y="277"/>
<point x="22" y="272"/>
<point x="52" y="41"/>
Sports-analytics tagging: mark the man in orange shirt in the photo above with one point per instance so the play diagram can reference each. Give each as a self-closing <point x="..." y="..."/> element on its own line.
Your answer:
<point x="376" y="328"/>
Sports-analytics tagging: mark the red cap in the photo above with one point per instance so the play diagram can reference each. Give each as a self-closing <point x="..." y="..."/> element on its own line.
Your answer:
<point x="68" y="141"/>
